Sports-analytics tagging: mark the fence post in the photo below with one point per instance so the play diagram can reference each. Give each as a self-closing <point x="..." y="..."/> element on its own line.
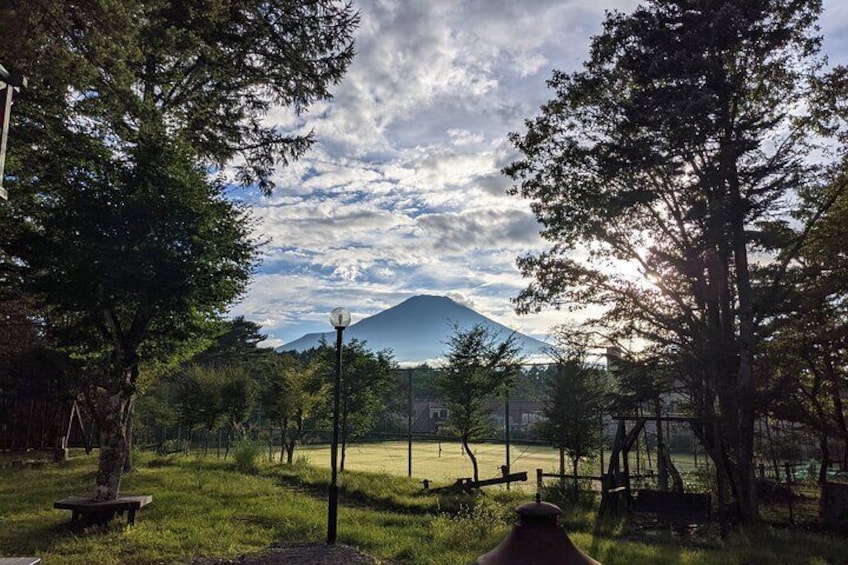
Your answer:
<point x="409" y="422"/>
<point x="539" y="482"/>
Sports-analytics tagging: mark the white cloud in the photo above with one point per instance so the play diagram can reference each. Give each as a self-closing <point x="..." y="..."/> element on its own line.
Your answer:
<point x="402" y="192"/>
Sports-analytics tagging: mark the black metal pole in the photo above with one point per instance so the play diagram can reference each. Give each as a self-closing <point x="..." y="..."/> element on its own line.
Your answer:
<point x="333" y="505"/>
<point x="409" y="422"/>
<point x="506" y="431"/>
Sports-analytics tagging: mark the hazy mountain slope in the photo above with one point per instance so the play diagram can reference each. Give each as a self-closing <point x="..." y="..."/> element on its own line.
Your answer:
<point x="416" y="330"/>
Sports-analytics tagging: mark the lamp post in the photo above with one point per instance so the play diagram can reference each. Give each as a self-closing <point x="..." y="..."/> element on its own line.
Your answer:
<point x="340" y="319"/>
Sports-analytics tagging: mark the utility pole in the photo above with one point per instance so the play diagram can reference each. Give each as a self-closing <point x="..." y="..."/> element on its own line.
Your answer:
<point x="9" y="82"/>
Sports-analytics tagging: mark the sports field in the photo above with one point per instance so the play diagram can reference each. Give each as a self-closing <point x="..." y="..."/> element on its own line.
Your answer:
<point x="444" y="462"/>
<point x="440" y="462"/>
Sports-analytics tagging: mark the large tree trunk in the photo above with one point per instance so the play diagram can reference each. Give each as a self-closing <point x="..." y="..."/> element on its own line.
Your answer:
<point x="128" y="463"/>
<point x="747" y="487"/>
<point x="825" y="457"/>
<point x="112" y="426"/>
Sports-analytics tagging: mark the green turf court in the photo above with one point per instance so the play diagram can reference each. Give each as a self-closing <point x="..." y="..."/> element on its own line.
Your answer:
<point x="444" y="462"/>
<point x="441" y="462"/>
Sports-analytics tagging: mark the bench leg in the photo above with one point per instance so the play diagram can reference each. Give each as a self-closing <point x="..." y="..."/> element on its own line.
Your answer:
<point x="131" y="517"/>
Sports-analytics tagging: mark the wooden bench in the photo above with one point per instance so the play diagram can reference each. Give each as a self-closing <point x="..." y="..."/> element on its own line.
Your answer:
<point x="84" y="508"/>
<point x="20" y="560"/>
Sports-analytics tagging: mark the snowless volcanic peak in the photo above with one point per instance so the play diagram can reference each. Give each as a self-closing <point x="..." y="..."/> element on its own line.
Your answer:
<point x="417" y="330"/>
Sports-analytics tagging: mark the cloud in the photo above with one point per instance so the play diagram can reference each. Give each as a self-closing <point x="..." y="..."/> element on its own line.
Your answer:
<point x="480" y="229"/>
<point x="402" y="192"/>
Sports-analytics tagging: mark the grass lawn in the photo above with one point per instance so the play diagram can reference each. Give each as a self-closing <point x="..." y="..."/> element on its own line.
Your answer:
<point x="205" y="507"/>
<point x="444" y="462"/>
<point x="440" y="462"/>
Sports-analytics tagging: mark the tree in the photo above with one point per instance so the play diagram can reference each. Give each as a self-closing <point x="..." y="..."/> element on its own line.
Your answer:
<point x="208" y="72"/>
<point x="238" y="396"/>
<point x="290" y="391"/>
<point x="805" y="352"/>
<point x="574" y="403"/>
<point x="144" y="267"/>
<point x="478" y="366"/>
<point x="117" y="179"/>
<point x="645" y="380"/>
<point x="656" y="171"/>
<point x="366" y="375"/>
<point x="198" y="396"/>
<point x="236" y="343"/>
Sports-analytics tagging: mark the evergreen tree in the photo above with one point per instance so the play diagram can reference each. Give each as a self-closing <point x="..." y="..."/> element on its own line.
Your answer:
<point x="574" y="402"/>
<point x="657" y="170"/>
<point x="478" y="367"/>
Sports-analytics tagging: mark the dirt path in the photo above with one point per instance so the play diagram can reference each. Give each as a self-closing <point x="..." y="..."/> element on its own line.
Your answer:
<point x="300" y="554"/>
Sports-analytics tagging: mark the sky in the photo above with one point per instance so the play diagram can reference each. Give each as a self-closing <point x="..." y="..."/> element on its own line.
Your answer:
<point x="402" y="194"/>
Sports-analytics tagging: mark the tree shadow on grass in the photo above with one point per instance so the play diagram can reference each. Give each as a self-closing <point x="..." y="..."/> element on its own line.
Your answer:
<point x="40" y="535"/>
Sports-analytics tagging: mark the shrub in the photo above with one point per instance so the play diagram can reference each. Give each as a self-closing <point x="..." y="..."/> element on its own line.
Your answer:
<point x="245" y="454"/>
<point x="562" y="494"/>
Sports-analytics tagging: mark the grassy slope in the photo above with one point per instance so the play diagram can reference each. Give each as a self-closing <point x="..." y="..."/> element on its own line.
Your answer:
<point x="206" y="508"/>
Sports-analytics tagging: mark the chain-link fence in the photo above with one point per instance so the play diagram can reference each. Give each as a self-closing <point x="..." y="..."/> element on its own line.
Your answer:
<point x="410" y="435"/>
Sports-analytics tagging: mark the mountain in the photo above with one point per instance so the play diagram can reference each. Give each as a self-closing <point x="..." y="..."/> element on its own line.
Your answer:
<point x="417" y="329"/>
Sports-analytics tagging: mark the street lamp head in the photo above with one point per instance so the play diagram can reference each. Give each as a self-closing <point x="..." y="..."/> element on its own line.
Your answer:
<point x="340" y="318"/>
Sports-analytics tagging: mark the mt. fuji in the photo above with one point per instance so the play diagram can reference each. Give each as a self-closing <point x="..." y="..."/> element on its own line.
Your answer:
<point x="417" y="330"/>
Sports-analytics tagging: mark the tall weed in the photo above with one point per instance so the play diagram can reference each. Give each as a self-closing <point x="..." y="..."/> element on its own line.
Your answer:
<point x="246" y="452"/>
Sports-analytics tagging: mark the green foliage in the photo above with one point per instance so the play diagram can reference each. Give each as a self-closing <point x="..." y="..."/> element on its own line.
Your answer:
<point x="198" y="396"/>
<point x="236" y="342"/>
<point x="119" y="222"/>
<point x="246" y="454"/>
<point x="214" y="386"/>
<point x="478" y="366"/>
<point x="201" y="509"/>
<point x="207" y="73"/>
<point x="803" y="359"/>
<point x="565" y="496"/>
<point x="238" y="392"/>
<point x="290" y="391"/>
<point x="475" y="521"/>
<point x="211" y="395"/>
<point x="575" y="401"/>
<point x="366" y="378"/>
<point x="659" y="169"/>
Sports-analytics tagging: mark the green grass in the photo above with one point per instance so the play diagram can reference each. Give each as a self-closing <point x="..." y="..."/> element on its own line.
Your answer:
<point x="443" y="462"/>
<point x="443" y="465"/>
<point x="205" y="507"/>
